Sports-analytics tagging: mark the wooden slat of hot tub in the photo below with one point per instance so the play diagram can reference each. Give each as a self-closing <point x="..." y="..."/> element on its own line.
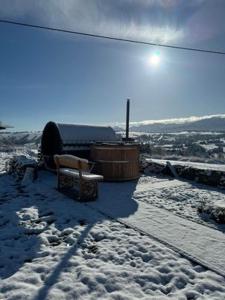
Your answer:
<point x="116" y="162"/>
<point x="119" y="170"/>
<point x="115" y="153"/>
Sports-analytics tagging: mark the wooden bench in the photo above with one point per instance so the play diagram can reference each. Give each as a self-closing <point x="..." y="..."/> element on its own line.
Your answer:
<point x="74" y="172"/>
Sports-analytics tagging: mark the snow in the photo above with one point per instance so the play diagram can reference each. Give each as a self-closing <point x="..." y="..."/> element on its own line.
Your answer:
<point x="209" y="147"/>
<point x="180" y="197"/>
<point x="202" y="166"/>
<point x="187" y="133"/>
<point x="20" y="137"/>
<point x="215" y="209"/>
<point x="3" y="159"/>
<point x="85" y="133"/>
<point x="52" y="247"/>
<point x="185" y="235"/>
<point x="24" y="154"/>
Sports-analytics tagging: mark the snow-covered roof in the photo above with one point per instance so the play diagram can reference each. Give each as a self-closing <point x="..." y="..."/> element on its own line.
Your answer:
<point x="58" y="138"/>
<point x="72" y="133"/>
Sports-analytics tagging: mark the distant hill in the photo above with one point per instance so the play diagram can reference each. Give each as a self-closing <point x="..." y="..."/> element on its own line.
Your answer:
<point x="19" y="138"/>
<point x="207" y="123"/>
<point x="118" y="129"/>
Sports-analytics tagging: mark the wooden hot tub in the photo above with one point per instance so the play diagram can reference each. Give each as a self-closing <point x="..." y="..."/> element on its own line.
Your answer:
<point x="116" y="162"/>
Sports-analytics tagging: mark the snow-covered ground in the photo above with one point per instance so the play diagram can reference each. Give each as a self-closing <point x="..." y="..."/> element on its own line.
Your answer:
<point x="180" y="197"/>
<point x="25" y="151"/>
<point x="202" y="166"/>
<point x="52" y="247"/>
<point x="4" y="157"/>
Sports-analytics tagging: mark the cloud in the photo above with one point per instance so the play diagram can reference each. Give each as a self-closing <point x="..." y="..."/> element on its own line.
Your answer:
<point x="208" y="22"/>
<point x="150" y="20"/>
<point x="159" y="21"/>
<point x="173" y="120"/>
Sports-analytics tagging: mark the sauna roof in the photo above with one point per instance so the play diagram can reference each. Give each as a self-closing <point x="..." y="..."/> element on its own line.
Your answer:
<point x="71" y="132"/>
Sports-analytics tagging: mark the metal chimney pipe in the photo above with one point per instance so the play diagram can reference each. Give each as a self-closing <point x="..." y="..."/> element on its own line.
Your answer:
<point x="128" y="119"/>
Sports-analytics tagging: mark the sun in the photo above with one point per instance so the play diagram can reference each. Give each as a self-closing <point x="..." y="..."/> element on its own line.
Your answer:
<point x="155" y="59"/>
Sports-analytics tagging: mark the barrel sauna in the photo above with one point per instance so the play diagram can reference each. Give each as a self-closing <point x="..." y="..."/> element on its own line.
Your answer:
<point x="72" y="139"/>
<point x="116" y="162"/>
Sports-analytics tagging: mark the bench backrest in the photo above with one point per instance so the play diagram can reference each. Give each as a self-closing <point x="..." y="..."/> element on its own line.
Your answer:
<point x="71" y="161"/>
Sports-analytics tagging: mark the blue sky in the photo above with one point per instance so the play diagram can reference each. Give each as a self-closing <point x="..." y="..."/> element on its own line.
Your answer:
<point x="53" y="76"/>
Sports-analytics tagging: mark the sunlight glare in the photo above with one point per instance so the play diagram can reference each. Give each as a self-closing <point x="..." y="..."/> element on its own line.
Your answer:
<point x="154" y="59"/>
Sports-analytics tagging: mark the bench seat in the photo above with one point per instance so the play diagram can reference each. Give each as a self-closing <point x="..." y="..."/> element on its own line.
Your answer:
<point x="85" y="175"/>
<point x="73" y="171"/>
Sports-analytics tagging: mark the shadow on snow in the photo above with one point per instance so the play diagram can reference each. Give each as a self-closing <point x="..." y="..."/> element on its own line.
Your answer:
<point x="27" y="214"/>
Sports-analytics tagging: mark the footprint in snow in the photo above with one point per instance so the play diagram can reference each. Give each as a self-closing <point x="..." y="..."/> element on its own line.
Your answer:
<point x="82" y="222"/>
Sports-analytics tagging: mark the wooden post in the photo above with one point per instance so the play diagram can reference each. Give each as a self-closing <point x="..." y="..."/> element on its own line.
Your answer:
<point x="128" y="119"/>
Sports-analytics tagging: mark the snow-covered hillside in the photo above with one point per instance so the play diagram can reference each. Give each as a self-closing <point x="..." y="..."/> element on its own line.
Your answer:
<point x="207" y="123"/>
<point x="17" y="141"/>
<point x="19" y="138"/>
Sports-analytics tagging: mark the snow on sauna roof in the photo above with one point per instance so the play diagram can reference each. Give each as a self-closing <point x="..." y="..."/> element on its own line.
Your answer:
<point x="58" y="138"/>
<point x="71" y="133"/>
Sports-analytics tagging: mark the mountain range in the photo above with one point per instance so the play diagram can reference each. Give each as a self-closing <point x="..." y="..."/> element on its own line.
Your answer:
<point x="215" y="123"/>
<point x="19" y="138"/>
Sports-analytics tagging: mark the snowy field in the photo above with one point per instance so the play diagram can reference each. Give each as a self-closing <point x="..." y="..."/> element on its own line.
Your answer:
<point x="52" y="247"/>
<point x="197" y="165"/>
